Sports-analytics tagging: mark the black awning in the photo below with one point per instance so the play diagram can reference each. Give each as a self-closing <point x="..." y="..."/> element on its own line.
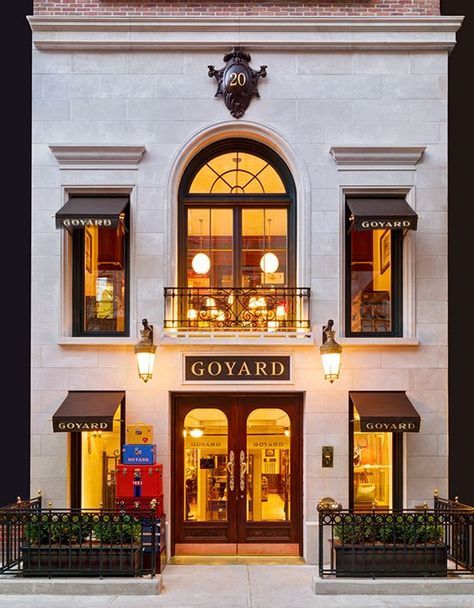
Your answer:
<point x="87" y="411"/>
<point x="381" y="214"/>
<point x="385" y="411"/>
<point x="81" y="212"/>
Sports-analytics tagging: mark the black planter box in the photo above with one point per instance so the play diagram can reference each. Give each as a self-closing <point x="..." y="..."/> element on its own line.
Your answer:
<point x="80" y="561"/>
<point x="391" y="560"/>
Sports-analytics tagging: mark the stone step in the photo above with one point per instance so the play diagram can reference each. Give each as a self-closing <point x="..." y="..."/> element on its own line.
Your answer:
<point x="17" y="585"/>
<point x="461" y="585"/>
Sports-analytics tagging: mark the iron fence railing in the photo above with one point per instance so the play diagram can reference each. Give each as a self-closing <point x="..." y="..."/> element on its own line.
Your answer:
<point x="458" y="532"/>
<point x="237" y="309"/>
<point x="58" y="542"/>
<point x="404" y="543"/>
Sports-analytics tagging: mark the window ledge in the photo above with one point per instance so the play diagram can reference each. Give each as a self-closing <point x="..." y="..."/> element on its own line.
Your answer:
<point x="378" y="341"/>
<point x="99" y="341"/>
<point x="265" y="339"/>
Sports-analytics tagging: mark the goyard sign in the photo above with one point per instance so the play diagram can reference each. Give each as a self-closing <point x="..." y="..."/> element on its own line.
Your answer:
<point x="237" y="81"/>
<point x="265" y="368"/>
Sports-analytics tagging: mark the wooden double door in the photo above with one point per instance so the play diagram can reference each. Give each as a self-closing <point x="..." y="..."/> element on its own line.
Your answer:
<point x="237" y="473"/>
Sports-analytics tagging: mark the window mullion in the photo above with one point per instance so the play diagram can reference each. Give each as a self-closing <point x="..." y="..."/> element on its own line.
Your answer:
<point x="237" y="247"/>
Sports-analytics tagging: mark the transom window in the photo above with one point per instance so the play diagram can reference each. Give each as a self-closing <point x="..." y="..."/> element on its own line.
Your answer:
<point x="237" y="218"/>
<point x="237" y="173"/>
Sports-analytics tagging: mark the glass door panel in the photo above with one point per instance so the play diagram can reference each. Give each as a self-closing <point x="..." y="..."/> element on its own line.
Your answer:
<point x="209" y="247"/>
<point x="268" y="465"/>
<point x="264" y="247"/>
<point x="205" y="465"/>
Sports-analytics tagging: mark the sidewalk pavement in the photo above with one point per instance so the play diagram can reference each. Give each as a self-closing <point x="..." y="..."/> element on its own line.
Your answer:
<point x="236" y="586"/>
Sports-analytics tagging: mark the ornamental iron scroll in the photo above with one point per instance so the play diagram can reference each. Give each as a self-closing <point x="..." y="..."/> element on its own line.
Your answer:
<point x="237" y="81"/>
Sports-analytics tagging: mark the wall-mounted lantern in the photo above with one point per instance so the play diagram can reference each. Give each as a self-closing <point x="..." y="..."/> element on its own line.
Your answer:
<point x="330" y="353"/>
<point x="145" y="352"/>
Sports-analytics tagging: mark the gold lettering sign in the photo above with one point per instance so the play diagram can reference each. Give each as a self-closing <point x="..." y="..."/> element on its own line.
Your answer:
<point x="237" y="368"/>
<point x="388" y="426"/>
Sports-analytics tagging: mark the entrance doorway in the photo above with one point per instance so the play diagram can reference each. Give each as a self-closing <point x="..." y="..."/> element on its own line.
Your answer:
<point x="237" y="471"/>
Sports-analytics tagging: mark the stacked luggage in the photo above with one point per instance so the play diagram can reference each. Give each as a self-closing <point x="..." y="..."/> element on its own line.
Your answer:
<point x="139" y="486"/>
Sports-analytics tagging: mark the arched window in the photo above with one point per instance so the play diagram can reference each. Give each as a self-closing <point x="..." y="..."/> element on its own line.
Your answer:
<point x="237" y="218"/>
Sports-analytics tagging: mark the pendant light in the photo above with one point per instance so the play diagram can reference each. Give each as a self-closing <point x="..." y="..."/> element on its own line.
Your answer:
<point x="201" y="262"/>
<point x="269" y="262"/>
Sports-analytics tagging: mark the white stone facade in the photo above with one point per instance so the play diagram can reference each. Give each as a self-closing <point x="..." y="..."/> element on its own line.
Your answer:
<point x="93" y="86"/>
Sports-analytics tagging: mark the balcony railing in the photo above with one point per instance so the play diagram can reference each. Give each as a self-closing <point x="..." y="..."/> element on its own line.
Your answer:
<point x="237" y="309"/>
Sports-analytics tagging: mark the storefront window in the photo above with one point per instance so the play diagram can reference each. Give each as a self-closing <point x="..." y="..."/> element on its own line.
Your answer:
<point x="268" y="474"/>
<point x="100" y="280"/>
<point x="205" y="465"/>
<point x="100" y="457"/>
<point x="373" y="474"/>
<point x="374" y="282"/>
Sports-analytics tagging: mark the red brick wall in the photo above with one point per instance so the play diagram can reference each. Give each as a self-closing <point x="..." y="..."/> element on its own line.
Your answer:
<point x="277" y="8"/>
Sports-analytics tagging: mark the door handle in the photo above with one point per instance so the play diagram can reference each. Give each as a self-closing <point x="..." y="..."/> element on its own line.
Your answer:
<point x="230" y="470"/>
<point x="243" y="470"/>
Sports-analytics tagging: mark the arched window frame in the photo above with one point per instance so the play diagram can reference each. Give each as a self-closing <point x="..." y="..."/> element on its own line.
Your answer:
<point x="186" y="200"/>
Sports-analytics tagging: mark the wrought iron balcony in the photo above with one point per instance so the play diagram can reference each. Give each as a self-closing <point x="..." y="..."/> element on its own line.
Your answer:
<point x="237" y="309"/>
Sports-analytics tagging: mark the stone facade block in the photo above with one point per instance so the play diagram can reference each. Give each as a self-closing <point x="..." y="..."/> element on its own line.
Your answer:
<point x="83" y="109"/>
<point x="70" y="86"/>
<point x="51" y="109"/>
<point x="127" y="86"/>
<point x="100" y="63"/>
<point x="428" y="63"/>
<point x="324" y="111"/>
<point x="381" y="110"/>
<point x="381" y="63"/>
<point x="419" y="86"/>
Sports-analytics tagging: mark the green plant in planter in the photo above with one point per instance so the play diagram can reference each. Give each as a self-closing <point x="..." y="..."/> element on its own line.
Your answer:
<point x="417" y="529"/>
<point x="57" y="529"/>
<point x="354" y="533"/>
<point x="119" y="530"/>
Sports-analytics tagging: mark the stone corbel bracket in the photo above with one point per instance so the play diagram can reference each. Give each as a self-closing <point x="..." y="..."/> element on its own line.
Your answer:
<point x="369" y="158"/>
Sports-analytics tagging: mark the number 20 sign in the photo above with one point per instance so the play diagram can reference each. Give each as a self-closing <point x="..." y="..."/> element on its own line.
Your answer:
<point x="237" y="81"/>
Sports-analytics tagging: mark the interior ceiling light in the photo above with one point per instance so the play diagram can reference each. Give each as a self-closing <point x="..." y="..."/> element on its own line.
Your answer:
<point x="201" y="262"/>
<point x="269" y="262"/>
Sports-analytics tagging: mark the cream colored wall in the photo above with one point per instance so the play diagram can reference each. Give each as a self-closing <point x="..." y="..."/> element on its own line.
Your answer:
<point x="310" y="101"/>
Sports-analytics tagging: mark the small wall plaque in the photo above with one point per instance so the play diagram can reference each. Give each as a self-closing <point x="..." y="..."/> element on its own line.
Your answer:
<point x="328" y="456"/>
<point x="237" y="81"/>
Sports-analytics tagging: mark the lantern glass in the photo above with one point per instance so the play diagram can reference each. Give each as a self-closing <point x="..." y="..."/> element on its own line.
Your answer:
<point x="145" y="362"/>
<point x="331" y="365"/>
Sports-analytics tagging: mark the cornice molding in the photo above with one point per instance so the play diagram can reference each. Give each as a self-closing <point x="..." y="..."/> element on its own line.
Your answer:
<point x="269" y="33"/>
<point x="376" y="157"/>
<point x="87" y="155"/>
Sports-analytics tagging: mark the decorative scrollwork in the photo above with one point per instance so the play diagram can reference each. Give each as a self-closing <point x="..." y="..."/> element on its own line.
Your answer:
<point x="258" y="309"/>
<point x="237" y="81"/>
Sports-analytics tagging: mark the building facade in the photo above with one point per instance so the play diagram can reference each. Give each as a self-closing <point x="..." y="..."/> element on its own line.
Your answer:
<point x="238" y="208"/>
